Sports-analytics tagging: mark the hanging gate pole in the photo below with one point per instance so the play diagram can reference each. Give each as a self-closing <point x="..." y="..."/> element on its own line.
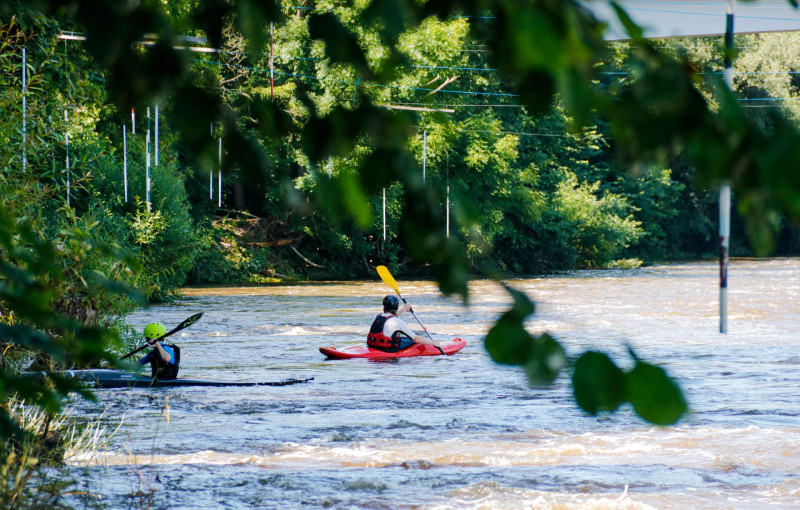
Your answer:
<point x="24" y="111"/>
<point x="725" y="189"/>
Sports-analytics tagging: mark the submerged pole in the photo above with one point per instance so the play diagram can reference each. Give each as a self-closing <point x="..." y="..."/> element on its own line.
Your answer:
<point x="725" y="189"/>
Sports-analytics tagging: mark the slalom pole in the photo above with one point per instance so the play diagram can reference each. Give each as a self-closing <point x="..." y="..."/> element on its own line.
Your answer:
<point x="211" y="170"/>
<point x="24" y="111"/>
<point x="219" y="191"/>
<point x="156" y="145"/>
<point x="424" y="153"/>
<point x="147" y="164"/>
<point x="125" y="159"/>
<point x="66" y="139"/>
<point x="271" y="62"/>
<point x="725" y="189"/>
<point x="384" y="214"/>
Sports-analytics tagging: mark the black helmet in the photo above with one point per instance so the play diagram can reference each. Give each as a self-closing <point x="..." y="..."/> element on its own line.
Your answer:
<point x="391" y="303"/>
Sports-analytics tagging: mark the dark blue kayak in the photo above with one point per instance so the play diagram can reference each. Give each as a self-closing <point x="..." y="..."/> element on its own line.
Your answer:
<point x="108" y="378"/>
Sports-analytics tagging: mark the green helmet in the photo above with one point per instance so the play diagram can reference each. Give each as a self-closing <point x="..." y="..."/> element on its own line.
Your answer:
<point x="154" y="330"/>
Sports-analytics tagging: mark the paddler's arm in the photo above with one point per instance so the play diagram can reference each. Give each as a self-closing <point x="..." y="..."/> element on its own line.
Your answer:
<point x="426" y="341"/>
<point x="161" y="352"/>
<point x="419" y="339"/>
<point x="403" y="309"/>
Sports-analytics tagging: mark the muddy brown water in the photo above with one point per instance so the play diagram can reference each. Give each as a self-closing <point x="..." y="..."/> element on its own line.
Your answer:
<point x="461" y="431"/>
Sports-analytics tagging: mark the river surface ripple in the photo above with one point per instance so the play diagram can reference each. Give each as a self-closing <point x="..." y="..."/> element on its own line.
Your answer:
<point x="463" y="432"/>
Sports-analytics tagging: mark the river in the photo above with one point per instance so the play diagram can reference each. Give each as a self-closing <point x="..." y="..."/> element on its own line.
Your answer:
<point x="461" y="432"/>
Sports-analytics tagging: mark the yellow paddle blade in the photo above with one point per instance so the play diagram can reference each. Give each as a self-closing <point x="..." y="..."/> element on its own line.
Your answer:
<point x="387" y="278"/>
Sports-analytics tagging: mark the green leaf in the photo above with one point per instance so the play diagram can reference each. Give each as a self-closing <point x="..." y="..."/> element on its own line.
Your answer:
<point x="631" y="28"/>
<point x="654" y="395"/>
<point x="507" y="341"/>
<point x="253" y="20"/>
<point x="546" y="358"/>
<point x="394" y="16"/>
<point x="340" y="45"/>
<point x="597" y="383"/>
<point x="355" y="200"/>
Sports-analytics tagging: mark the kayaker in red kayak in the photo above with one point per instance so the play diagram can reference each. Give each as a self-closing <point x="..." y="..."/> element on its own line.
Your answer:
<point x="389" y="333"/>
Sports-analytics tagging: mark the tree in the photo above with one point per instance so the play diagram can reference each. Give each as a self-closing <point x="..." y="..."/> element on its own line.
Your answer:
<point x="542" y="49"/>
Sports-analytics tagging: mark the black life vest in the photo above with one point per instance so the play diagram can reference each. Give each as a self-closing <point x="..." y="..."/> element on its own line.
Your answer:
<point x="165" y="370"/>
<point x="378" y="340"/>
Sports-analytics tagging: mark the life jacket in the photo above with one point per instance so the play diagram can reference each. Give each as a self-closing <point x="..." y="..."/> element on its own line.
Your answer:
<point x="165" y="370"/>
<point x="376" y="338"/>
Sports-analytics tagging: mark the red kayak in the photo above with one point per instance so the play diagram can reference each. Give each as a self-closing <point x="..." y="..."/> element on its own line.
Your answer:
<point x="362" y="351"/>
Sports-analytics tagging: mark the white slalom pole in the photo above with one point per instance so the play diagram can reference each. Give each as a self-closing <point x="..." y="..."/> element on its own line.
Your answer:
<point x="725" y="189"/>
<point x="156" y="148"/>
<point x="424" y="153"/>
<point x="211" y="171"/>
<point x="271" y="62"/>
<point x="447" y="220"/>
<point x="219" y="191"/>
<point x="125" y="159"/>
<point x="384" y="214"/>
<point x="24" y="111"/>
<point x="133" y="121"/>
<point x="66" y="139"/>
<point x="447" y="212"/>
<point x="147" y="164"/>
<point x="724" y="241"/>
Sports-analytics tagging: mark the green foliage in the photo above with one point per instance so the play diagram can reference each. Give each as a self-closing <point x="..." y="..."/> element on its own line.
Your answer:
<point x="600" y="386"/>
<point x="542" y="357"/>
<point x="540" y="185"/>
<point x="655" y="396"/>
<point x="45" y="312"/>
<point x="597" y="383"/>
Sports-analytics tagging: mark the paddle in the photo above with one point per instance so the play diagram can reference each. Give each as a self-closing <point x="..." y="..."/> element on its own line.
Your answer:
<point x="389" y="280"/>
<point x="185" y="324"/>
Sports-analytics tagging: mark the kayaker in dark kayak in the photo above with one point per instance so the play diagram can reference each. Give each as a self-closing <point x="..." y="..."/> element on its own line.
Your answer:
<point x="389" y="333"/>
<point x="164" y="359"/>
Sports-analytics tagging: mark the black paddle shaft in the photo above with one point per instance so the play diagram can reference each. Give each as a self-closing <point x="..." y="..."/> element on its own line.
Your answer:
<point x="185" y="324"/>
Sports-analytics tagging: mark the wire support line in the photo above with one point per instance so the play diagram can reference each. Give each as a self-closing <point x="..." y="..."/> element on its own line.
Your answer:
<point x="447" y="91"/>
<point x="769" y="99"/>
<point x="363" y="84"/>
<point x="718" y="2"/>
<point x="762" y="105"/>
<point x="544" y="135"/>
<point x="455" y="68"/>
<point x="715" y="15"/>
<point x="458" y="105"/>
<point x="425" y="89"/>
<point x="748" y="73"/>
